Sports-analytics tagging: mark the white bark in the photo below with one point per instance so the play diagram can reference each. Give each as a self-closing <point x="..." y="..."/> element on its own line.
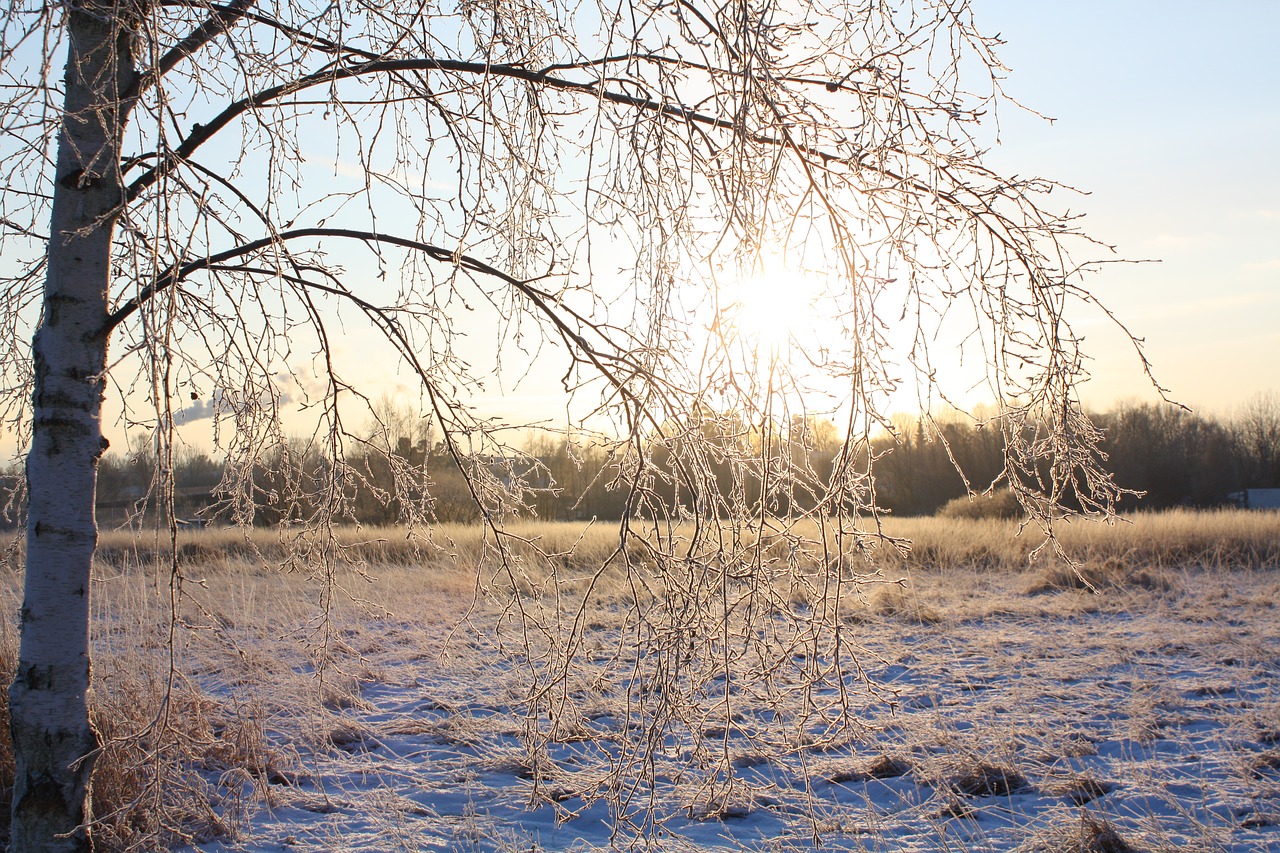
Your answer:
<point x="52" y="735"/>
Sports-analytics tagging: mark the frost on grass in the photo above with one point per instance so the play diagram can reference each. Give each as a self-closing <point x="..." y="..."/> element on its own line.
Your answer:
<point x="1054" y="721"/>
<point x="993" y="724"/>
<point x="1089" y="834"/>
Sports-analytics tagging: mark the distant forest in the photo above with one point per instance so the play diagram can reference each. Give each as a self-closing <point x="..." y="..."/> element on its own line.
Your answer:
<point x="1177" y="458"/>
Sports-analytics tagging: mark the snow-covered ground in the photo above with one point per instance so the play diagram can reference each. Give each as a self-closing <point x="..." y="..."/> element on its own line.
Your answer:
<point x="1003" y="720"/>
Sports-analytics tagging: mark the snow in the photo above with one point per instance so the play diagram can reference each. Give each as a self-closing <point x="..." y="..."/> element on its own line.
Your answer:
<point x="1014" y="724"/>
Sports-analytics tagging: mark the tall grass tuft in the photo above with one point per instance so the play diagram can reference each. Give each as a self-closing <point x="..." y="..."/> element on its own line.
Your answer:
<point x="177" y="765"/>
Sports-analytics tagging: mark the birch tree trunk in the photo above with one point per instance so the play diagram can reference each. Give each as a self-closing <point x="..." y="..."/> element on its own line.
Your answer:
<point x="53" y="739"/>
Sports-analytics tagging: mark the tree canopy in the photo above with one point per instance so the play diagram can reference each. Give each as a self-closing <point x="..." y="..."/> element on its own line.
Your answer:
<point x="265" y="206"/>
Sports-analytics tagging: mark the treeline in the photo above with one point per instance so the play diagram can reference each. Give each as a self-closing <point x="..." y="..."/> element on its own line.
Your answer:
<point x="397" y="476"/>
<point x="1169" y="456"/>
<point x="1177" y="458"/>
<point x="408" y="480"/>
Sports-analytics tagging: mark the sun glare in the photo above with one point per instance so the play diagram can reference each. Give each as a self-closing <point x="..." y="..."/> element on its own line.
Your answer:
<point x="770" y="309"/>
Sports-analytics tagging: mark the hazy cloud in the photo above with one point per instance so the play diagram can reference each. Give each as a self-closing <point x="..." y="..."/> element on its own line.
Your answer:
<point x="1184" y="241"/>
<point x="1207" y="307"/>
<point x="197" y="411"/>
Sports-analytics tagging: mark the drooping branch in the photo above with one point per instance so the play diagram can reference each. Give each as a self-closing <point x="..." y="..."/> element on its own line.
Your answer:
<point x="175" y="275"/>
<point x="956" y="193"/>
<point x="202" y="133"/>
<point x="606" y="363"/>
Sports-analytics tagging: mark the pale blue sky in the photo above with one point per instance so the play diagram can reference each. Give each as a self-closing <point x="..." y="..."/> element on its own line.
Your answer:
<point x="1168" y="112"/>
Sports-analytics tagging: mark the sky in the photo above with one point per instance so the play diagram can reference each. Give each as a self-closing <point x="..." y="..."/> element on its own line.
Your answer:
<point x="1168" y="114"/>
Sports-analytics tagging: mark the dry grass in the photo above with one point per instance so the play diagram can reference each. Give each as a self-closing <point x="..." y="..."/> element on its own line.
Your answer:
<point x="563" y="545"/>
<point x="985" y="779"/>
<point x="883" y="766"/>
<point x="176" y="765"/>
<point x="1081" y="788"/>
<point x="278" y="633"/>
<point x="1090" y="833"/>
<point x="1175" y="540"/>
<point x="1110" y="574"/>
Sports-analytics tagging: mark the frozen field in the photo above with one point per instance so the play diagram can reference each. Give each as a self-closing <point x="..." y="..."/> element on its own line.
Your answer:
<point x="1002" y="713"/>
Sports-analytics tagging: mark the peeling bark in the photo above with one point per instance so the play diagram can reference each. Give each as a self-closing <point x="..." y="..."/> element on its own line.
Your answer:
<point x="53" y="740"/>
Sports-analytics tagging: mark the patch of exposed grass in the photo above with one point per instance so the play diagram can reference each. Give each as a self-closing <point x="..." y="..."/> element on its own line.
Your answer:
<point x="883" y="766"/>
<point x="985" y="779"/>
<point x="175" y="766"/>
<point x="1264" y="764"/>
<point x="1082" y="788"/>
<point x="1111" y="574"/>
<point x="1091" y="833"/>
<point x="734" y="802"/>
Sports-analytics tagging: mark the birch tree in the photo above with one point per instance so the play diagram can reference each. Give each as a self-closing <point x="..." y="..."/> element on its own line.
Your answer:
<point x="219" y="202"/>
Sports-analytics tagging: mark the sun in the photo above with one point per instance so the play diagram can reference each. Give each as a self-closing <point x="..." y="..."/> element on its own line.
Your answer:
<point x="770" y="308"/>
